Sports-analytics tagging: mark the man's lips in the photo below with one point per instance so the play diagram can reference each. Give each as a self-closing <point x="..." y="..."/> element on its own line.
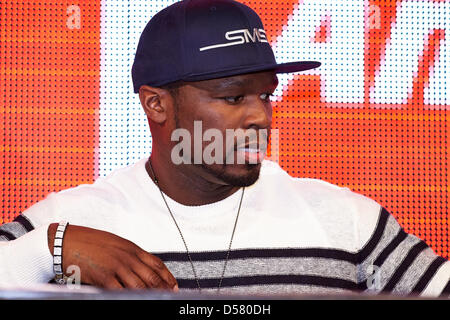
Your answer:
<point x="250" y="153"/>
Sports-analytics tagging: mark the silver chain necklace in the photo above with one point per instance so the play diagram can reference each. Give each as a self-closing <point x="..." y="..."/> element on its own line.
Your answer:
<point x="148" y="167"/>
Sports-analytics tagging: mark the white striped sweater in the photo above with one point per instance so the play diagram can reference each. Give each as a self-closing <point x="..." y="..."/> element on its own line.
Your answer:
<point x="294" y="236"/>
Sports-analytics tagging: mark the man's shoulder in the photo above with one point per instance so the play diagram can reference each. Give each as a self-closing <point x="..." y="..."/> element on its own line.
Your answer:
<point x="89" y="202"/>
<point x="335" y="208"/>
<point x="113" y="183"/>
<point x="110" y="188"/>
<point x="313" y="188"/>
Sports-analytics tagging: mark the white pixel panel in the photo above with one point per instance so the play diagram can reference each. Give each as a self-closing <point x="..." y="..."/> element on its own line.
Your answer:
<point x="124" y="132"/>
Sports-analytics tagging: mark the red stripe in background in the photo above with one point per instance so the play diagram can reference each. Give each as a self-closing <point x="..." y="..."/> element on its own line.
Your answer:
<point x="275" y="17"/>
<point x="50" y="98"/>
<point x="376" y="39"/>
<point x="427" y="59"/>
<point x="394" y="154"/>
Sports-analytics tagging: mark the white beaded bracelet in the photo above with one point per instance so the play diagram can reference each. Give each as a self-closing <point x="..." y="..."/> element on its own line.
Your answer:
<point x="57" y="253"/>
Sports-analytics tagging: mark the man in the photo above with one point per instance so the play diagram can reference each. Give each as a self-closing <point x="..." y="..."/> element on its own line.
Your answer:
<point x="225" y="225"/>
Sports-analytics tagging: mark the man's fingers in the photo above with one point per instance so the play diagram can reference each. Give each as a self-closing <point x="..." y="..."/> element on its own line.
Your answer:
<point x="150" y="275"/>
<point x="112" y="284"/>
<point x="153" y="280"/>
<point x="159" y="268"/>
<point x="129" y="279"/>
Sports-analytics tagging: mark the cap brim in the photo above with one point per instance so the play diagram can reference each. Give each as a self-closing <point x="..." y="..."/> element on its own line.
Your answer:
<point x="296" y="66"/>
<point x="289" y="67"/>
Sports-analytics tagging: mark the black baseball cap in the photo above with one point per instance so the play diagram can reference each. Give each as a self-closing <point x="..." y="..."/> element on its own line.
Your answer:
<point x="195" y="40"/>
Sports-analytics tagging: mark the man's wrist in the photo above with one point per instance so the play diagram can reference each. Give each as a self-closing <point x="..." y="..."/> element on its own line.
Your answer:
<point x="58" y="252"/>
<point x="51" y="236"/>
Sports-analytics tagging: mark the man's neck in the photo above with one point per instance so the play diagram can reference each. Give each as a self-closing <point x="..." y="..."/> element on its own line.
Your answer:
<point x="182" y="184"/>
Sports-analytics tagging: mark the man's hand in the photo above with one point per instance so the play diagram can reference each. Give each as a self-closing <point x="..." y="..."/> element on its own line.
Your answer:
<point x="111" y="262"/>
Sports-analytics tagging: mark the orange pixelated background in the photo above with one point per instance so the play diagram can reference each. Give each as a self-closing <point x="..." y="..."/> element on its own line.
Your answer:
<point x="396" y="154"/>
<point x="49" y="100"/>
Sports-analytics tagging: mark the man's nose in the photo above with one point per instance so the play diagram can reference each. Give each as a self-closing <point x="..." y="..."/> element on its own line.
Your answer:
<point x="258" y="114"/>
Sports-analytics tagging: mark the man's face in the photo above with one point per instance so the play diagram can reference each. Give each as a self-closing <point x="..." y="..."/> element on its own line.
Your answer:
<point x="239" y="103"/>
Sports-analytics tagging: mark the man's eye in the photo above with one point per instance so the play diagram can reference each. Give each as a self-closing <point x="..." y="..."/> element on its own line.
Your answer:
<point x="266" y="96"/>
<point x="233" y="100"/>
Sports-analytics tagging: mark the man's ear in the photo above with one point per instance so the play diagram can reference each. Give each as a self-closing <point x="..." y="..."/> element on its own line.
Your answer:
<point x="155" y="102"/>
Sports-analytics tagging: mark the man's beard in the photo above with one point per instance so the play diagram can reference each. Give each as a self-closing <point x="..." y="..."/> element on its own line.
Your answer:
<point x="219" y="171"/>
<point x="245" y="180"/>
